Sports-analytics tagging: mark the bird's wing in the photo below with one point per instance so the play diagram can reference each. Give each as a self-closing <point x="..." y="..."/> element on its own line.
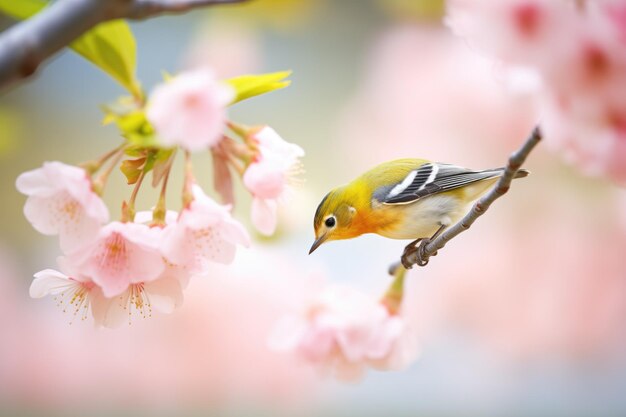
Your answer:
<point x="433" y="178"/>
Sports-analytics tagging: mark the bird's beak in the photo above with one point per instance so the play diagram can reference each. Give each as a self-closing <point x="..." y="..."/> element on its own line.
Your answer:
<point x="318" y="242"/>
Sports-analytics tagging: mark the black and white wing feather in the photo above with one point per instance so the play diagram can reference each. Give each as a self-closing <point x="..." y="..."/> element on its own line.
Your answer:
<point x="433" y="178"/>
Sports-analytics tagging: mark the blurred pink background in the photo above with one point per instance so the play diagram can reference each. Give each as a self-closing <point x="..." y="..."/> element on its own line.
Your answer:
<point x="522" y="315"/>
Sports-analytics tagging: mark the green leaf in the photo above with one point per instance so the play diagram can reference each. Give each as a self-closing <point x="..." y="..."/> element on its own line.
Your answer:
<point x="135" y="151"/>
<point x="149" y="162"/>
<point x="132" y="123"/>
<point x="110" y="45"/>
<point x="132" y="169"/>
<point x="247" y="86"/>
<point x="21" y="9"/>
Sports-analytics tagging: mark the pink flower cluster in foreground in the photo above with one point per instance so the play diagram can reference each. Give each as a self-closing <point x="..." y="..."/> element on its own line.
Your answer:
<point x="578" y="50"/>
<point x="190" y="111"/>
<point x="343" y="331"/>
<point x="113" y="268"/>
<point x="195" y="356"/>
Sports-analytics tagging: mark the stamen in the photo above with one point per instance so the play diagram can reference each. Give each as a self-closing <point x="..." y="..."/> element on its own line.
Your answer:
<point x="75" y="299"/>
<point x="114" y="255"/>
<point x="138" y="299"/>
<point x="294" y="174"/>
<point x="71" y="208"/>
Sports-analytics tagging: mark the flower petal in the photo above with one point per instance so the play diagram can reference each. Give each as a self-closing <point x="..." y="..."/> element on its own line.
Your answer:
<point x="34" y="182"/>
<point x="112" y="312"/>
<point x="271" y="141"/>
<point x="263" y="214"/>
<point x="165" y="294"/>
<point x="265" y="179"/>
<point x="99" y="308"/>
<point x="287" y="333"/>
<point x="78" y="234"/>
<point x="39" y="211"/>
<point x="124" y="253"/>
<point x="48" y="282"/>
<point x="190" y="110"/>
<point x="234" y="232"/>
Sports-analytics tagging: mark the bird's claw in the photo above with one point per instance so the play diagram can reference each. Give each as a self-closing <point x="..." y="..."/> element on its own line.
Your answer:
<point x="421" y="259"/>
<point x="409" y="251"/>
<point x="405" y="262"/>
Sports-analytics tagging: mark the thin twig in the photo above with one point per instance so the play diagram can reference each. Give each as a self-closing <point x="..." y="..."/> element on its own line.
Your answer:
<point x="143" y="9"/>
<point x="101" y="180"/>
<point x="392" y="300"/>
<point x="26" y="45"/>
<point x="480" y="207"/>
<point x="189" y="181"/>
<point x="160" y="210"/>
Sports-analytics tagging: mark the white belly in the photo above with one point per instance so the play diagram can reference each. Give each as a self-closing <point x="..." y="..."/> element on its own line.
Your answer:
<point x="424" y="217"/>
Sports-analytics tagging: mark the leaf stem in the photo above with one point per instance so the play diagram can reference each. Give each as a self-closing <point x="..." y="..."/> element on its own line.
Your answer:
<point x="128" y="210"/>
<point x="160" y="210"/>
<point x="100" y="182"/>
<point x="94" y="166"/>
<point x="392" y="300"/>
<point x="189" y="181"/>
<point x="239" y="129"/>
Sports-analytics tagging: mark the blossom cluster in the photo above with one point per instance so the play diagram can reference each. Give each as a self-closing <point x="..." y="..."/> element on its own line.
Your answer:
<point x="342" y="331"/>
<point x="145" y="259"/>
<point x="576" y="53"/>
<point x="113" y="269"/>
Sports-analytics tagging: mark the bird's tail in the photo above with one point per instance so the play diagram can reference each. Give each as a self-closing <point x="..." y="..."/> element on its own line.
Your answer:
<point x="497" y="172"/>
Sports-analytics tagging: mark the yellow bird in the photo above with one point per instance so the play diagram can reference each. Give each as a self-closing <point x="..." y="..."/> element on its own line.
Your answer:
<point x="402" y="199"/>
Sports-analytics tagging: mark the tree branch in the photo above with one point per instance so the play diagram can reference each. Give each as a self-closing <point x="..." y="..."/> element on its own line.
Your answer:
<point x="420" y="257"/>
<point x="142" y="9"/>
<point x="26" y="45"/>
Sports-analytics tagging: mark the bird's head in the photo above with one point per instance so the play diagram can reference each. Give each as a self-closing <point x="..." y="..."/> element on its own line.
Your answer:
<point x="335" y="217"/>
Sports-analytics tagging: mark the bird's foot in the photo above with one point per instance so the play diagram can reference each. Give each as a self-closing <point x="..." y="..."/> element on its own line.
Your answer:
<point x="422" y="258"/>
<point x="409" y="251"/>
<point x="415" y="254"/>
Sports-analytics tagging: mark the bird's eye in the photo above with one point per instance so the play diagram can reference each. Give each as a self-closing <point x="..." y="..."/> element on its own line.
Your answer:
<point x="330" y="222"/>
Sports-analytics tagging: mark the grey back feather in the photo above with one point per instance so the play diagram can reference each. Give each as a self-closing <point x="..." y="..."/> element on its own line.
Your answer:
<point x="432" y="178"/>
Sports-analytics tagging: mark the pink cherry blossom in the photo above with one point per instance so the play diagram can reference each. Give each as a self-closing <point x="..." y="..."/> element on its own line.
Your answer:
<point x="61" y="201"/>
<point x="615" y="12"/>
<point x="585" y="109"/>
<point x="579" y="52"/>
<point x="145" y="217"/>
<point x="344" y="330"/>
<point x="190" y="110"/>
<point x="78" y="295"/>
<point x="205" y="232"/>
<point x="263" y="214"/>
<point x="191" y="357"/>
<point x="163" y="294"/>
<point x="75" y="295"/>
<point x="269" y="176"/>
<point x="517" y="31"/>
<point x="171" y="270"/>
<point x="122" y="254"/>
<point x="598" y="148"/>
